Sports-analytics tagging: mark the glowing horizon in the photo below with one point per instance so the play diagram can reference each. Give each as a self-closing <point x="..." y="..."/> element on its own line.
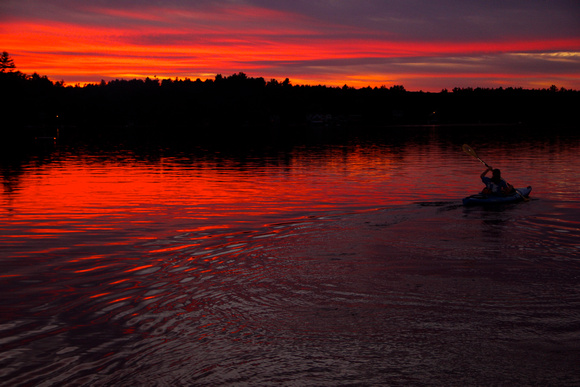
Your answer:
<point x="83" y="44"/>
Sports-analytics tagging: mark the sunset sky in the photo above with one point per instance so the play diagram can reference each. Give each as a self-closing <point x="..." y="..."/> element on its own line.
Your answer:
<point x="420" y="44"/>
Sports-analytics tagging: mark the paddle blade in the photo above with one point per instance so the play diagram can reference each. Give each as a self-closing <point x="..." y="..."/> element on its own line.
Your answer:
<point x="467" y="149"/>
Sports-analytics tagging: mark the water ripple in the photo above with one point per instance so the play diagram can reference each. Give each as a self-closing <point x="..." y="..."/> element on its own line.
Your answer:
<point x="142" y="286"/>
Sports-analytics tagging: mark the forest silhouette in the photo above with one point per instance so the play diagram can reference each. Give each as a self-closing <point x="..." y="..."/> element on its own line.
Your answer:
<point x="237" y="106"/>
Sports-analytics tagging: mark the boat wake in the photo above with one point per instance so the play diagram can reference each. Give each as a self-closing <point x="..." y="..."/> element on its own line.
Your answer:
<point x="402" y="294"/>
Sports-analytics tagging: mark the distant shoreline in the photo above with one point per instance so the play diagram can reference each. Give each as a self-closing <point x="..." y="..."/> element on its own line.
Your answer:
<point x="238" y="106"/>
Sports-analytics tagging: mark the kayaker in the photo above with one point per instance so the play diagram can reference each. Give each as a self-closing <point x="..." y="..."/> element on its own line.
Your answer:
<point x="495" y="185"/>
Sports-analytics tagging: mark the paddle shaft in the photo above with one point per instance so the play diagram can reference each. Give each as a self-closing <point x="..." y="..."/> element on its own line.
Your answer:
<point x="484" y="163"/>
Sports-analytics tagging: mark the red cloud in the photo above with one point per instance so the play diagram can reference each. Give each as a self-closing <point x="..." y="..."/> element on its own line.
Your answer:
<point x="179" y="42"/>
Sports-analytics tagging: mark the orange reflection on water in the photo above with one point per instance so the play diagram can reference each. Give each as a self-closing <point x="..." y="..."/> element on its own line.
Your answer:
<point x="174" y="248"/>
<point x="88" y="203"/>
<point x="51" y="231"/>
<point x="138" y="268"/>
<point x="120" y="299"/>
<point x="99" y="295"/>
<point x="138" y="192"/>
<point x="119" y="281"/>
<point x="100" y="256"/>
<point x="91" y="269"/>
<point x="219" y="266"/>
<point x="104" y="204"/>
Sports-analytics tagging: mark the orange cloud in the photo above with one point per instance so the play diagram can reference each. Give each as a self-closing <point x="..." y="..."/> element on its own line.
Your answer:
<point x="184" y="42"/>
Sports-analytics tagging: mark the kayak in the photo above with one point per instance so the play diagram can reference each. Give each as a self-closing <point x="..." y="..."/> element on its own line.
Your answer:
<point x="482" y="199"/>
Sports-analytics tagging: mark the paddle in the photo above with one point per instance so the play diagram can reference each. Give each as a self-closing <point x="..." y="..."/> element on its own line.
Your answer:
<point x="469" y="150"/>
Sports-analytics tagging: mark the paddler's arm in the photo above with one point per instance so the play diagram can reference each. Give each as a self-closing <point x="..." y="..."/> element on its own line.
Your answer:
<point x="486" y="171"/>
<point x="509" y="188"/>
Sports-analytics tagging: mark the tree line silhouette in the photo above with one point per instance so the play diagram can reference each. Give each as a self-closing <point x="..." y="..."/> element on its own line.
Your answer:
<point x="238" y="105"/>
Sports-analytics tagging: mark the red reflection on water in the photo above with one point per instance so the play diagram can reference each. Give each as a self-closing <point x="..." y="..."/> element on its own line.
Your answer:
<point x="96" y="205"/>
<point x="174" y="248"/>
<point x="119" y="281"/>
<point x="99" y="295"/>
<point x="120" y="299"/>
<point x="99" y="256"/>
<point x="91" y="269"/>
<point x="138" y="268"/>
<point x="136" y="192"/>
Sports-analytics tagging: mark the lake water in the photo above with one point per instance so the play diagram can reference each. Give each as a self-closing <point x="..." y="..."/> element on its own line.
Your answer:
<point x="345" y="264"/>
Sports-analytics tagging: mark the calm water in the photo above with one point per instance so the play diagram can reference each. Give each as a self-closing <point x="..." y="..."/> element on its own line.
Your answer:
<point x="346" y="264"/>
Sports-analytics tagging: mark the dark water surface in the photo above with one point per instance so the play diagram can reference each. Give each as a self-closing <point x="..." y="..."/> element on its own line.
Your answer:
<point x="345" y="264"/>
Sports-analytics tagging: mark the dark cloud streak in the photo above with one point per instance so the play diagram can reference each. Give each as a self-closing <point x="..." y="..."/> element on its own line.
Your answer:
<point x="452" y="20"/>
<point x="329" y="38"/>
